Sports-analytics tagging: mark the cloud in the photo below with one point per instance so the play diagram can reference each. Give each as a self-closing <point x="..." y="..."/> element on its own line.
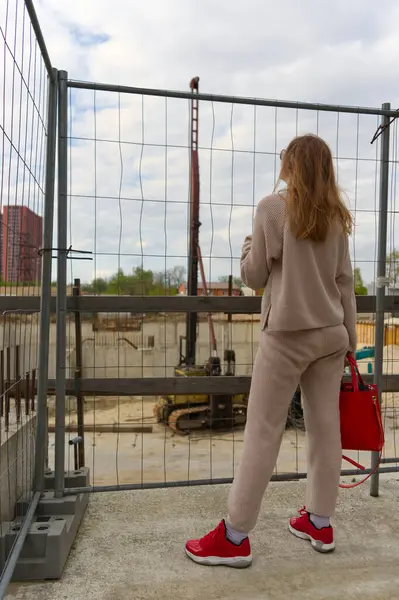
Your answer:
<point x="86" y="38"/>
<point x="129" y="154"/>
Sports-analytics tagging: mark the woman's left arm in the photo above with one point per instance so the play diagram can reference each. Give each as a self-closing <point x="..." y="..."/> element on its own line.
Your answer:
<point x="264" y="245"/>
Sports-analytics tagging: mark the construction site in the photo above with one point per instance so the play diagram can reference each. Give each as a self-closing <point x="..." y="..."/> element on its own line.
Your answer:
<point x="123" y="407"/>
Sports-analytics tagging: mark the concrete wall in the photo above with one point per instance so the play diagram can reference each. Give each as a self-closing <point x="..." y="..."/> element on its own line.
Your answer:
<point x="17" y="444"/>
<point x="152" y="352"/>
<point x="22" y="332"/>
<point x="16" y="465"/>
<point x="156" y="351"/>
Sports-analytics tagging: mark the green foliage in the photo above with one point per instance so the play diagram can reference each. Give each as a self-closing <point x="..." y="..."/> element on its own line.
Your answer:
<point x="236" y="280"/>
<point x="18" y="284"/>
<point x="140" y="282"/>
<point x="97" y="286"/>
<point x="393" y="268"/>
<point x="360" y="288"/>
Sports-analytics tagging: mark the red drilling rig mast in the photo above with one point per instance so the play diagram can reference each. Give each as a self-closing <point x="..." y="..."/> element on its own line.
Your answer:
<point x="194" y="225"/>
<point x="184" y="413"/>
<point x="194" y="255"/>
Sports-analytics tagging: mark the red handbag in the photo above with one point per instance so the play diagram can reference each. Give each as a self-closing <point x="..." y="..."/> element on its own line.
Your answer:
<point x="360" y="416"/>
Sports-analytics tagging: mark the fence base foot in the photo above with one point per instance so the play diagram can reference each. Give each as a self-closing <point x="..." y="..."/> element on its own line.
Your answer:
<point x="51" y="534"/>
<point x="79" y="478"/>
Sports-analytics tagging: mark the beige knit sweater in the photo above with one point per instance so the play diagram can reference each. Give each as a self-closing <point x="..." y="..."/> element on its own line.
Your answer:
<point x="307" y="284"/>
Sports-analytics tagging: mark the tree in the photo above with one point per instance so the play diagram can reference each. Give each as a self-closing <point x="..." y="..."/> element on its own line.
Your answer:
<point x="140" y="282"/>
<point x="143" y="281"/>
<point x="393" y="268"/>
<point x="99" y="285"/>
<point x="168" y="282"/>
<point x="360" y="288"/>
<point x="129" y="285"/>
<point x="236" y="280"/>
<point x="175" y="276"/>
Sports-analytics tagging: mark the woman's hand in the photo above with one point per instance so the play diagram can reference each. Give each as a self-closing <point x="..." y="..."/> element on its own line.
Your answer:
<point x="349" y="356"/>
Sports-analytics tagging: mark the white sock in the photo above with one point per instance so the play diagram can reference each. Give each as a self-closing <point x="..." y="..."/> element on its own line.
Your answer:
<point x="319" y="522"/>
<point x="236" y="537"/>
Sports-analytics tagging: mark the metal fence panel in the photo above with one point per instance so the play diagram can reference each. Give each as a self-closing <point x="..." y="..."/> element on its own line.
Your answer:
<point x="25" y="126"/>
<point x="128" y="192"/>
<point x="381" y="272"/>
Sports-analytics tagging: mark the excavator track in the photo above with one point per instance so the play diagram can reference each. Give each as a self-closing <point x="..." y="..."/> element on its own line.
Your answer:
<point x="188" y="419"/>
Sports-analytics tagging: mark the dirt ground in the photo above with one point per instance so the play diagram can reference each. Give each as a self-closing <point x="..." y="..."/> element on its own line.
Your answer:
<point x="116" y="458"/>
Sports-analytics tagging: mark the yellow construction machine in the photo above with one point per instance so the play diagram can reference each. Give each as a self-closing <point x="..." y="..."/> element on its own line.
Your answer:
<point x="185" y="413"/>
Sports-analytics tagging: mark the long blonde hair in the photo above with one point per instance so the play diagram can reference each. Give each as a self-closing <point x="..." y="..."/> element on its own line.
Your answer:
<point x="314" y="200"/>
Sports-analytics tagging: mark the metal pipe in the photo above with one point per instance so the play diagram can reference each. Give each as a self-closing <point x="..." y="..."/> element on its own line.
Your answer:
<point x="197" y="482"/>
<point x="381" y="276"/>
<point x="112" y="387"/>
<point x="40" y="40"/>
<point x="13" y="557"/>
<point x="75" y="442"/>
<point x="122" y="89"/>
<point x="2" y="386"/>
<point x="229" y="354"/>
<point x="78" y="377"/>
<point x="17" y="377"/>
<point x="243" y="305"/>
<point x="210" y="319"/>
<point x="45" y="295"/>
<point x="59" y="450"/>
<point x="8" y="386"/>
<point x="27" y="392"/>
<point x="33" y="390"/>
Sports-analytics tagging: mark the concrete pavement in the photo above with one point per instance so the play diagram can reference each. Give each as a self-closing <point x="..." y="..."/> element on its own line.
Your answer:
<point x="130" y="546"/>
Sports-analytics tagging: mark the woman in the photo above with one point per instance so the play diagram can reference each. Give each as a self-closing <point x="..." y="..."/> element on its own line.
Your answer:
<point x="299" y="253"/>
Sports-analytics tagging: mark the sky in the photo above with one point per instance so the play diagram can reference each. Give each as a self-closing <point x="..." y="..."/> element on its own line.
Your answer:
<point x="129" y="161"/>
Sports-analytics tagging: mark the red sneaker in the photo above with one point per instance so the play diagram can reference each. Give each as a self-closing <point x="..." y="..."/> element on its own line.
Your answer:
<point x="215" y="549"/>
<point x="322" y="540"/>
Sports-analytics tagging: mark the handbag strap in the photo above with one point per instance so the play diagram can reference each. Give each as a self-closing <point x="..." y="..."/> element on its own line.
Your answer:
<point x="355" y="373"/>
<point x="348" y="486"/>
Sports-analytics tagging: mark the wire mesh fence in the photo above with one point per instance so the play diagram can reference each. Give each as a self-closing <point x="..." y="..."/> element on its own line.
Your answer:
<point x="23" y="131"/>
<point x="390" y="355"/>
<point x="142" y="374"/>
<point x="130" y="169"/>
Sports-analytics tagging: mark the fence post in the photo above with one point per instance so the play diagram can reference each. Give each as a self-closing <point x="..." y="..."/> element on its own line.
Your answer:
<point x="381" y="275"/>
<point x="59" y="458"/>
<point x="45" y="293"/>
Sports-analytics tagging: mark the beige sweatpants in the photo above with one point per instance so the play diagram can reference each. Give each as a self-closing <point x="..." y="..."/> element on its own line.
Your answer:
<point x="315" y="359"/>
